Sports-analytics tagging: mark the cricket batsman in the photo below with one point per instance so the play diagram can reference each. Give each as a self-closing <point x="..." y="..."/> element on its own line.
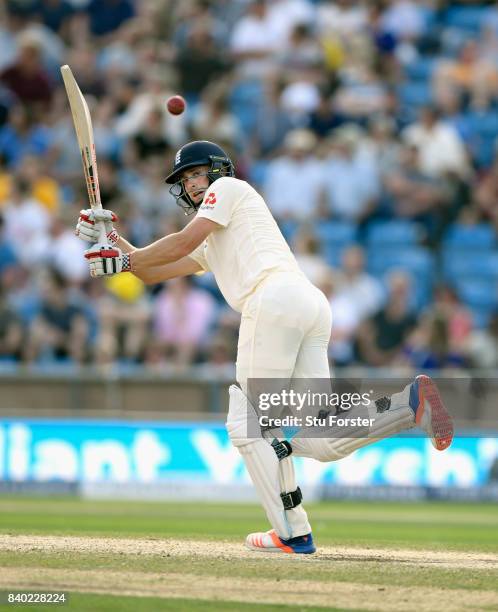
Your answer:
<point x="284" y="332"/>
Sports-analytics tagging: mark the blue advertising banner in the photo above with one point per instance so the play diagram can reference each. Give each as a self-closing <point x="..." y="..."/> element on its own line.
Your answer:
<point x="118" y="452"/>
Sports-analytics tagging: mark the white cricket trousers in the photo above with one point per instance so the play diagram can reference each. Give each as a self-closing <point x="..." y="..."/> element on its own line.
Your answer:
<point x="284" y="331"/>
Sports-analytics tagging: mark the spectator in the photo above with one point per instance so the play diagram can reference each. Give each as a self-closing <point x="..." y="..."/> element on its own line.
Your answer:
<point x="55" y="13"/>
<point x="303" y="56"/>
<point x="469" y="73"/>
<point x="22" y="136"/>
<point x="342" y="18"/>
<point x="486" y="195"/>
<point x="182" y="317"/>
<point x="345" y="320"/>
<point x="11" y="331"/>
<point x="352" y="185"/>
<point x="412" y="193"/>
<point x="441" y="150"/>
<point x="295" y="180"/>
<point x="381" y="338"/>
<point x="255" y="39"/>
<point x="457" y="317"/>
<point x="123" y="314"/>
<point x="483" y="346"/>
<point x="404" y="19"/>
<point x="383" y="144"/>
<point x="65" y="253"/>
<point x="200" y="62"/>
<point x="150" y="140"/>
<point x="324" y="118"/>
<point x="27" y="78"/>
<point x="306" y="248"/>
<point x="44" y="188"/>
<point x="7" y="254"/>
<point x="213" y="120"/>
<point x="106" y="16"/>
<point x="427" y="347"/>
<point x="360" y="290"/>
<point x="26" y="223"/>
<point x="61" y="330"/>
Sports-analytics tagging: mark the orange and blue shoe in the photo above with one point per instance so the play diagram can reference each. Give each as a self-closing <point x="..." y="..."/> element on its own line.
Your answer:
<point x="430" y="412"/>
<point x="271" y="542"/>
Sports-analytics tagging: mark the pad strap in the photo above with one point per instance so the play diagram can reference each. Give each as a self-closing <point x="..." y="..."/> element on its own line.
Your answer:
<point x="282" y="448"/>
<point x="292" y="499"/>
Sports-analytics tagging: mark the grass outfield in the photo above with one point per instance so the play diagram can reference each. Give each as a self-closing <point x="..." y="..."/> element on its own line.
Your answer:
<point x="156" y="556"/>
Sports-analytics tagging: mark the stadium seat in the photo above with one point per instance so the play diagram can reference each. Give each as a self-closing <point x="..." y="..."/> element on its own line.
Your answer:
<point x="481" y="236"/>
<point x="385" y="233"/>
<point x="416" y="261"/>
<point x="483" y="123"/>
<point x="245" y="100"/>
<point x="415" y="93"/>
<point x="332" y="253"/>
<point x="465" y="17"/>
<point x="480" y="316"/>
<point x="335" y="232"/>
<point x="288" y="227"/>
<point x="421" y="69"/>
<point x="458" y="264"/>
<point x="478" y="292"/>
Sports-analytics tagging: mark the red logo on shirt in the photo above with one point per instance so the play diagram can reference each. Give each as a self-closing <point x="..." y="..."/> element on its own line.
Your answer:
<point x="211" y="199"/>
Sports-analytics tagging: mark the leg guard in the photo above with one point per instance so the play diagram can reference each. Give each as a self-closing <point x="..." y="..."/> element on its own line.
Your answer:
<point x="391" y="416"/>
<point x="274" y="479"/>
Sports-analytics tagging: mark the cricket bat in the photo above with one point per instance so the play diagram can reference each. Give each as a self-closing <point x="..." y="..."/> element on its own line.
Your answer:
<point x="84" y="133"/>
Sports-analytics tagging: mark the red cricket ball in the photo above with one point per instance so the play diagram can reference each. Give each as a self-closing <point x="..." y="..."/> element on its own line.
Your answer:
<point x="176" y="105"/>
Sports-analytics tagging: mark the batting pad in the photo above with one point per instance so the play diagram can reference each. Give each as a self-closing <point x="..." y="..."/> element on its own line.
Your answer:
<point x="270" y="476"/>
<point x="399" y="417"/>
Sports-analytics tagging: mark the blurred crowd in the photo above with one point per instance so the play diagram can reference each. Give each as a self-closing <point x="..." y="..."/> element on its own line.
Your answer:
<point x="369" y="127"/>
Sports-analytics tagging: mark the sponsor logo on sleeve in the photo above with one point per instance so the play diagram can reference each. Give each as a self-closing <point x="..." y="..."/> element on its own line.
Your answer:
<point x="209" y="201"/>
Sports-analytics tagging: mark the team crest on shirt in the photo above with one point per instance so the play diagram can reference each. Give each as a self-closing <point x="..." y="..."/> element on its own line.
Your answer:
<point x="209" y="201"/>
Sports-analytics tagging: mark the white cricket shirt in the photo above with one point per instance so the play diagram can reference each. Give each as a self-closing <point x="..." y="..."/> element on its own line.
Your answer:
<point x="248" y="247"/>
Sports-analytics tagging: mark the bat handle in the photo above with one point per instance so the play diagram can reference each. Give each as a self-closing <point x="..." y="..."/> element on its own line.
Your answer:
<point x="102" y="233"/>
<point x="97" y="205"/>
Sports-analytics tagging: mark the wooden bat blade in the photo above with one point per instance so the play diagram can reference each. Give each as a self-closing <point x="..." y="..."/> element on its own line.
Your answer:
<point x="84" y="133"/>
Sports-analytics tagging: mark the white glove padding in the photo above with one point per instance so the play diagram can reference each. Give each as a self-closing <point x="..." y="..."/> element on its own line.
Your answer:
<point x="107" y="260"/>
<point x="87" y="230"/>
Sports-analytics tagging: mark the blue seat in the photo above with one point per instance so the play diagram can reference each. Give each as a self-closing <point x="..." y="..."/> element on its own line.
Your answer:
<point x="416" y="261"/>
<point x="479" y="293"/>
<point x="481" y="236"/>
<point x="481" y="317"/>
<point x="465" y="17"/>
<point x="288" y="227"/>
<point x="385" y="233"/>
<point x="415" y="93"/>
<point x="421" y="69"/>
<point x="333" y="254"/>
<point x="483" y="123"/>
<point x="458" y="264"/>
<point x="335" y="232"/>
<point x="245" y="101"/>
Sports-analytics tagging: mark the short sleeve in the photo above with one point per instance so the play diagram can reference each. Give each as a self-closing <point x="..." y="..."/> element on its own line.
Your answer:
<point x="220" y="200"/>
<point x="198" y="256"/>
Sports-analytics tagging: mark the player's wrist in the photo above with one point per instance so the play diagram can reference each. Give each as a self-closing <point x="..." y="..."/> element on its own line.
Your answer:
<point x="126" y="265"/>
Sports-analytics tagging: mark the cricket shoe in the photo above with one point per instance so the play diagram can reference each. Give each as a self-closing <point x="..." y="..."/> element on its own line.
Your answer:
<point x="430" y="412"/>
<point x="270" y="542"/>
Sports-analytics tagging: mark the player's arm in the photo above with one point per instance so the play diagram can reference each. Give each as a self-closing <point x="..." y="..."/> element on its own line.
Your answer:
<point x="157" y="274"/>
<point x="172" y="248"/>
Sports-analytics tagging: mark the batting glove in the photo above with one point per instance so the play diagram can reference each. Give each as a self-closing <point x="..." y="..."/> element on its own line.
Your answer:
<point x="87" y="230"/>
<point x="107" y="260"/>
